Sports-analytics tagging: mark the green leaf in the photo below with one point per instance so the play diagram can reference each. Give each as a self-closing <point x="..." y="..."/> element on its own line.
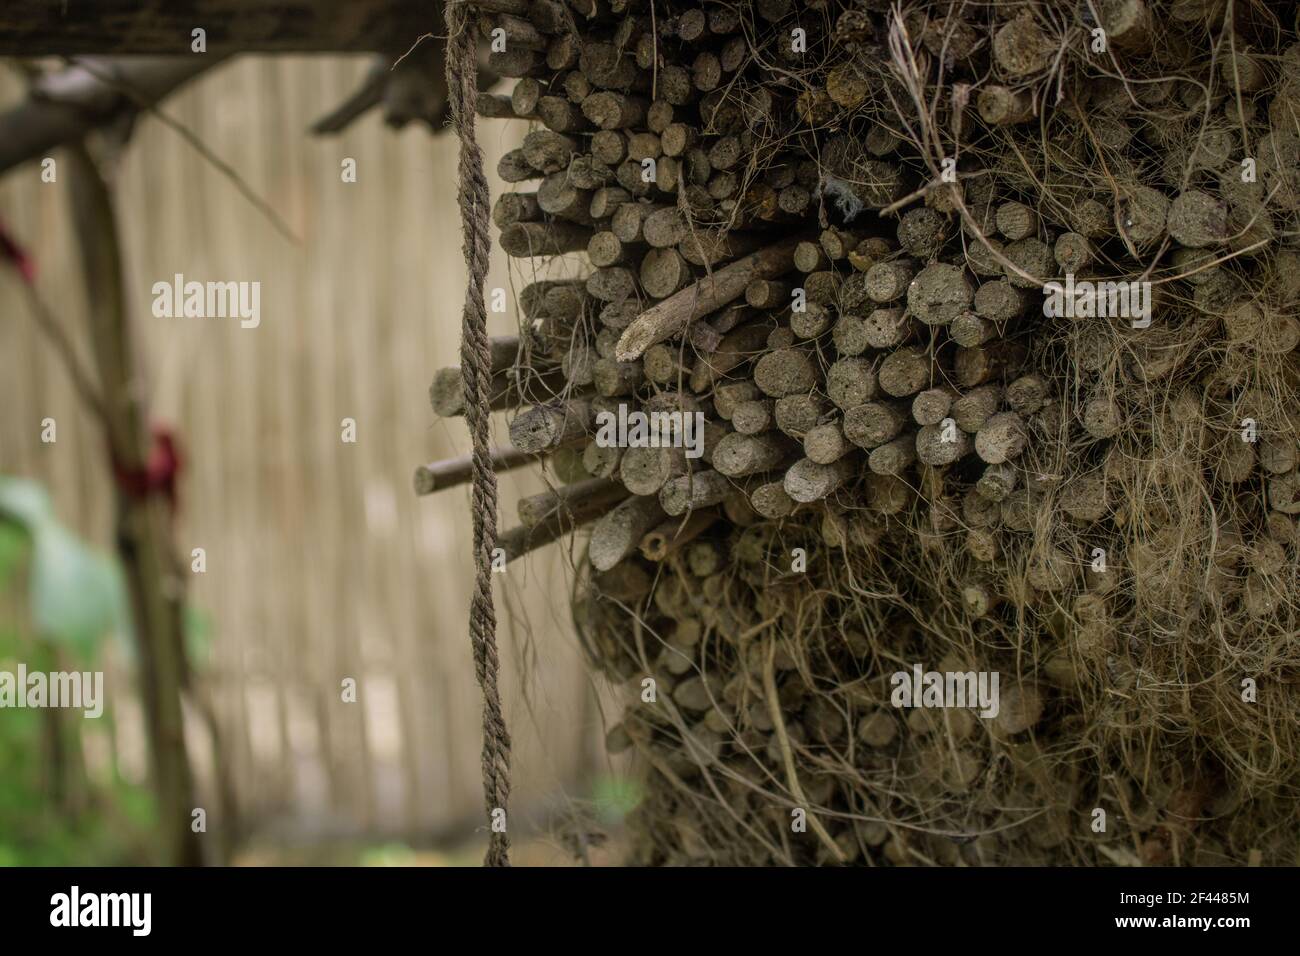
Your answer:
<point x="77" y="595"/>
<point x="25" y="502"/>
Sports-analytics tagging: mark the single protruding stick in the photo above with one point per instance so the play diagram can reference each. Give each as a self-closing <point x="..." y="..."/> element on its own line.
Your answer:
<point x="451" y="472"/>
<point x="592" y="495"/>
<point x="520" y="540"/>
<point x="671" y="316"/>
<point x="523" y="240"/>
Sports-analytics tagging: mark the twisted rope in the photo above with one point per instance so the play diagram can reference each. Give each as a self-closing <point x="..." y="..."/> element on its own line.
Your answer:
<point x="476" y="369"/>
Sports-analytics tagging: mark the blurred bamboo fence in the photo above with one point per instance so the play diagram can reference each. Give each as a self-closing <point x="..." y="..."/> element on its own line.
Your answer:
<point x="321" y="563"/>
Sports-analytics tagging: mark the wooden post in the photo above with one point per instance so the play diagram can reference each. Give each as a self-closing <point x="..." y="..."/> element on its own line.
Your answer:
<point x="143" y="522"/>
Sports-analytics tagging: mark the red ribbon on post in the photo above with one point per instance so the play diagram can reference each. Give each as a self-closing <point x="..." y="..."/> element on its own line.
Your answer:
<point x="17" y="256"/>
<point x="160" y="473"/>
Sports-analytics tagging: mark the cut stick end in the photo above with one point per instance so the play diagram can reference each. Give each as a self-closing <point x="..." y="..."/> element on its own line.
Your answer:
<point x="633" y="343"/>
<point x="425" y="481"/>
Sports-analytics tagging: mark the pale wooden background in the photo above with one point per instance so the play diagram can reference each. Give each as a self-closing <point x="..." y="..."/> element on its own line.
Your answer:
<point x="322" y="563"/>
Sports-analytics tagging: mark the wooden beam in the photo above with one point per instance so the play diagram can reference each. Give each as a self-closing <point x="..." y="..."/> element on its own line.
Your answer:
<point x="31" y="28"/>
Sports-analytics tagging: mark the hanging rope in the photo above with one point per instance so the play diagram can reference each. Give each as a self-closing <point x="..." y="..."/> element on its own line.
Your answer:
<point x="475" y="364"/>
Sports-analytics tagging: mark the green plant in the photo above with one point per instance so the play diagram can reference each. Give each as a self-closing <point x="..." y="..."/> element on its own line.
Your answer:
<point x="59" y="601"/>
